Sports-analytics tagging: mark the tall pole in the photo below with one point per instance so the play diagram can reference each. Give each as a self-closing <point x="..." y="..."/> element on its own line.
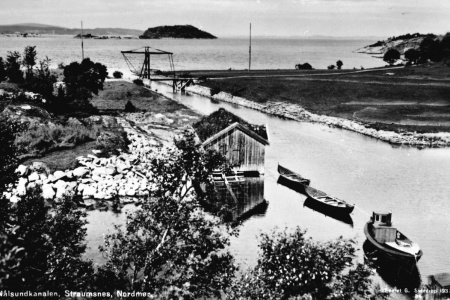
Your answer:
<point x="82" y="46"/>
<point x="250" y="49"/>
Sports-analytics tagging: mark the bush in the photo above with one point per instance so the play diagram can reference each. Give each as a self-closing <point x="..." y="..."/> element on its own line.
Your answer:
<point x="138" y="81"/>
<point x="430" y="48"/>
<point x="2" y="70"/>
<point x="305" y="66"/>
<point x="292" y="265"/>
<point x="40" y="139"/>
<point x="43" y="80"/>
<point x="53" y="244"/>
<point x="331" y="67"/>
<point x="412" y="55"/>
<point x="445" y="46"/>
<point x="61" y="66"/>
<point x="129" y="107"/>
<point x="214" y="91"/>
<point x="391" y="56"/>
<point x="117" y="74"/>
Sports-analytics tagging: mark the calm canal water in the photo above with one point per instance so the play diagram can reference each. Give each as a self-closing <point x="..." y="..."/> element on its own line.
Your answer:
<point x="412" y="183"/>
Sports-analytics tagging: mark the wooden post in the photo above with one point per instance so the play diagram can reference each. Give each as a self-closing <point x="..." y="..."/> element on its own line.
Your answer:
<point x="82" y="46"/>
<point x="250" y="49"/>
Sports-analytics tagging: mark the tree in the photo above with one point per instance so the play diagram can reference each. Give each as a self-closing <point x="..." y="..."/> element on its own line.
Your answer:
<point x="430" y="48"/>
<point x="412" y="55"/>
<point x="12" y="65"/>
<point x="331" y="67"/>
<point x="8" y="163"/>
<point x="82" y="81"/>
<point x="445" y="46"/>
<point x="43" y="80"/>
<point x="52" y="243"/>
<point x="339" y="64"/>
<point x="391" y="56"/>
<point x="170" y="247"/>
<point x="2" y="70"/>
<point x="292" y="265"/>
<point x="29" y="60"/>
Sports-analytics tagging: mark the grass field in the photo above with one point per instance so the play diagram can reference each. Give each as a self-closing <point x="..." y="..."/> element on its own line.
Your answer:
<point x="116" y="94"/>
<point x="413" y="99"/>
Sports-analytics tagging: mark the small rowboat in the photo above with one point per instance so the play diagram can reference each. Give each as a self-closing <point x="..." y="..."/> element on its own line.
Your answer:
<point x="328" y="202"/>
<point x="314" y="205"/>
<point x="291" y="176"/>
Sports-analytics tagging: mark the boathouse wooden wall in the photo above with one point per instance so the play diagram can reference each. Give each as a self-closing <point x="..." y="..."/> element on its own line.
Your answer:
<point x="241" y="150"/>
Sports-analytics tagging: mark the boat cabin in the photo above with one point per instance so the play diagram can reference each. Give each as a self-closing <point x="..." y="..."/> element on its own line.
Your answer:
<point x="241" y="143"/>
<point x="382" y="227"/>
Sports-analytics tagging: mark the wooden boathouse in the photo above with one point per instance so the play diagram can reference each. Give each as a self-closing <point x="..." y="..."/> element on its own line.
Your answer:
<point x="240" y="142"/>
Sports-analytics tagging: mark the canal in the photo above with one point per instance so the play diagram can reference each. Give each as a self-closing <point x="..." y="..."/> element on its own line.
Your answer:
<point x="413" y="184"/>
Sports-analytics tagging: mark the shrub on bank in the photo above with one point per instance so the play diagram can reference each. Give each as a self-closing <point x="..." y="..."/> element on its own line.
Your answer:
<point x="214" y="91"/>
<point x="138" y="81"/>
<point x="117" y="74"/>
<point x="305" y="66"/>
<point x="129" y="107"/>
<point x="39" y="139"/>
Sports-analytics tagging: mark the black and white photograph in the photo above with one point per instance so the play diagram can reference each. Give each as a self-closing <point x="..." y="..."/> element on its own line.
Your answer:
<point x="225" y="149"/>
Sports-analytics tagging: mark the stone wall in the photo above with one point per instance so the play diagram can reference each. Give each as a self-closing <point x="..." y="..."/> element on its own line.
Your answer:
<point x="298" y="113"/>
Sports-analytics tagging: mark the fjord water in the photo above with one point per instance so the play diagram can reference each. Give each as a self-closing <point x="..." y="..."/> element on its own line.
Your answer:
<point x="412" y="183"/>
<point x="223" y="53"/>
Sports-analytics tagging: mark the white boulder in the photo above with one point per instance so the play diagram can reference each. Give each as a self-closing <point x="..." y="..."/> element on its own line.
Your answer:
<point x="22" y="170"/>
<point x="22" y="187"/>
<point x="33" y="177"/>
<point x="80" y="172"/>
<point x="47" y="191"/>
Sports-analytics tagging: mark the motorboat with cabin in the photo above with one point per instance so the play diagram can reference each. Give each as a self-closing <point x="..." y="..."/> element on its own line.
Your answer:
<point x="389" y="243"/>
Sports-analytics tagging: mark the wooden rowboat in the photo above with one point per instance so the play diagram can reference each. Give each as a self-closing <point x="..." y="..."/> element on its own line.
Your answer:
<point x="291" y="176"/>
<point x="328" y="202"/>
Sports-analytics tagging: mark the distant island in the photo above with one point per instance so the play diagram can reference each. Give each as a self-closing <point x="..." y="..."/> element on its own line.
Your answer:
<point x="401" y="43"/>
<point x="176" y="32"/>
<point x="35" y="29"/>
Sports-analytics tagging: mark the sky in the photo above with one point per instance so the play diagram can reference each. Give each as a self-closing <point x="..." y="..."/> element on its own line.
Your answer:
<point x="339" y="18"/>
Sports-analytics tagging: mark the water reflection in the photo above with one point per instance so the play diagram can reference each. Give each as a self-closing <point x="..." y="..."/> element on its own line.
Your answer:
<point x="402" y="277"/>
<point x="244" y="199"/>
<point x="300" y="188"/>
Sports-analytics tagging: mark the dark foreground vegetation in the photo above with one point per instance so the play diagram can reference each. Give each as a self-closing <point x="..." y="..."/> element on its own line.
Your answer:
<point x="170" y="248"/>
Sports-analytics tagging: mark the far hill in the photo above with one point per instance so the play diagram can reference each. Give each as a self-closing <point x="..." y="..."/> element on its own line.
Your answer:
<point x="176" y="32"/>
<point x="50" y="29"/>
<point x="400" y="43"/>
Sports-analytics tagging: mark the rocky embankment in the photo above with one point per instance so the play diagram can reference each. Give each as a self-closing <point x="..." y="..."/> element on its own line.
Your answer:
<point x="125" y="177"/>
<point x="296" y="112"/>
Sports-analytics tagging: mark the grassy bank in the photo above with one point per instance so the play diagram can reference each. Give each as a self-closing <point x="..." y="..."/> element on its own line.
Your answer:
<point x="58" y="145"/>
<point x="412" y="99"/>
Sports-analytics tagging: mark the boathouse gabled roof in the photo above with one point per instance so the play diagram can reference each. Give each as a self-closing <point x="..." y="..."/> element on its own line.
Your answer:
<point x="209" y="128"/>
